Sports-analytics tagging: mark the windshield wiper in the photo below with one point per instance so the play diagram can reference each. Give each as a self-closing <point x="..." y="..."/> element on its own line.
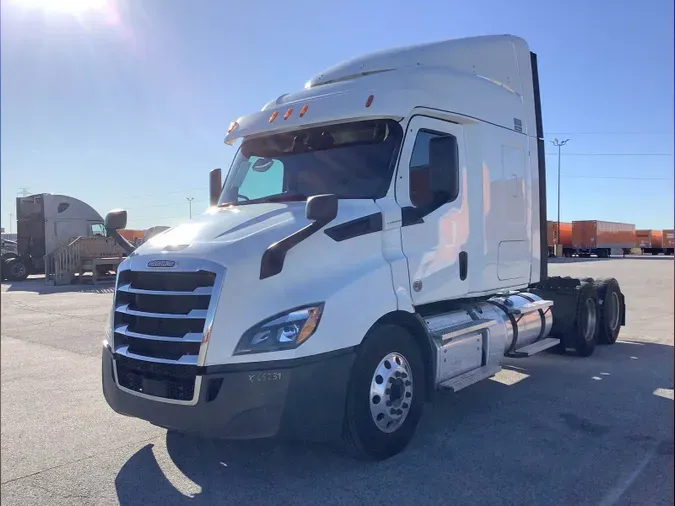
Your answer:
<point x="280" y="197"/>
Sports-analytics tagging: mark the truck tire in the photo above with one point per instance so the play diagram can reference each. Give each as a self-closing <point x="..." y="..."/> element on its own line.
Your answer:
<point x="575" y="312"/>
<point x="386" y="394"/>
<point x="587" y="321"/>
<point x="610" y="309"/>
<point x="14" y="269"/>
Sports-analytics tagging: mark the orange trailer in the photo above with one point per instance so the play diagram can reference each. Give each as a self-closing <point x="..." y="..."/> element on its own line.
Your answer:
<point x="649" y="241"/>
<point x="565" y="236"/>
<point x="131" y="235"/>
<point x="668" y="242"/>
<point x="602" y="238"/>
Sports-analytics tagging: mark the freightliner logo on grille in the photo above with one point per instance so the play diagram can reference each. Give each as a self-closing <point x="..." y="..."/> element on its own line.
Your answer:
<point x="161" y="263"/>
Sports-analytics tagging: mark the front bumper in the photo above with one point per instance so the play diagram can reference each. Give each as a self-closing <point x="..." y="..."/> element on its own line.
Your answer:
<point x="298" y="399"/>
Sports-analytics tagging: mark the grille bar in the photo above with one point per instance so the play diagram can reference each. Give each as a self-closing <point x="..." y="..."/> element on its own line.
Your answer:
<point x="190" y="337"/>
<point x="196" y="314"/>
<point x="184" y="360"/>
<point x="200" y="290"/>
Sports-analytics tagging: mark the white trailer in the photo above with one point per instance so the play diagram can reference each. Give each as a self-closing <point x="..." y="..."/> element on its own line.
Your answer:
<point x="381" y="234"/>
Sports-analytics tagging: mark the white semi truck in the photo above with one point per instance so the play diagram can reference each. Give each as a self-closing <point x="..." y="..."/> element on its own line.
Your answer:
<point x="380" y="234"/>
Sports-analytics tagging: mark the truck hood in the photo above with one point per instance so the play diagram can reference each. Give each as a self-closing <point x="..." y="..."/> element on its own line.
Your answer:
<point x="225" y="234"/>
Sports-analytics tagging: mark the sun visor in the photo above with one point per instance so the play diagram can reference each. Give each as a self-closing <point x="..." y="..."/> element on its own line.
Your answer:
<point x="300" y="112"/>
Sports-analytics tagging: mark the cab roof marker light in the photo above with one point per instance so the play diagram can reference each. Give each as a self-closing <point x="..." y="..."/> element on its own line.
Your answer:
<point x="288" y="113"/>
<point x="370" y="100"/>
<point x="303" y="110"/>
<point x="233" y="126"/>
<point x="273" y="116"/>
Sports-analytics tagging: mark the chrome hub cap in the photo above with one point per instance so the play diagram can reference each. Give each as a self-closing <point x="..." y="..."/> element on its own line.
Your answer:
<point x="391" y="391"/>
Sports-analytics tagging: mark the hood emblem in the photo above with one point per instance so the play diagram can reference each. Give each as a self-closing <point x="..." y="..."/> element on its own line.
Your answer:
<point x="161" y="263"/>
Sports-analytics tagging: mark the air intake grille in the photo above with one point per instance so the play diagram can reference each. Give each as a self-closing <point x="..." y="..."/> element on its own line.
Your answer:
<point x="162" y="315"/>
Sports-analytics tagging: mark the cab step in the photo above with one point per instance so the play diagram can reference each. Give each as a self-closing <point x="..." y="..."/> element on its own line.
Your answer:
<point x="536" y="347"/>
<point x="471" y="377"/>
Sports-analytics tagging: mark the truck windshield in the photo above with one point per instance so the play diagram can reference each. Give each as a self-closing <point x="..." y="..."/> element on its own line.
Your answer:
<point x="350" y="160"/>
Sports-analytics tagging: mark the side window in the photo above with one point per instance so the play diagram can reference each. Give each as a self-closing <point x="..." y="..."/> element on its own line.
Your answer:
<point x="263" y="178"/>
<point x="98" y="229"/>
<point x="420" y="188"/>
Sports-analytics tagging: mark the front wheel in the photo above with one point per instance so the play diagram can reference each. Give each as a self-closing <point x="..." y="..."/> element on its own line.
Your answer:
<point x="14" y="269"/>
<point x="386" y="394"/>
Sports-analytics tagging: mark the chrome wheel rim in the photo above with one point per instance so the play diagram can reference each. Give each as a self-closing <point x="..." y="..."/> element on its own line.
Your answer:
<point x="391" y="392"/>
<point x="589" y="330"/>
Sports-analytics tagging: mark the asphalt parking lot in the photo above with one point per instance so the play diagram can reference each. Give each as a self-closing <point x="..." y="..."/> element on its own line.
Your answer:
<point x="547" y="430"/>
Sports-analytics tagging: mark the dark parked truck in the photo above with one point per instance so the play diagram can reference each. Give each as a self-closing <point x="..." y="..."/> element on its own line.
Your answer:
<point x="380" y="235"/>
<point x="44" y="222"/>
<point x="602" y="238"/>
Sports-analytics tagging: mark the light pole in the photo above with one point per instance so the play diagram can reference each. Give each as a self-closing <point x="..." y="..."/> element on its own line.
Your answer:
<point x="559" y="145"/>
<point x="190" y="199"/>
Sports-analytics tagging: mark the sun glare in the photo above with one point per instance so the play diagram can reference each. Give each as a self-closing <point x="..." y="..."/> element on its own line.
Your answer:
<point x="75" y="7"/>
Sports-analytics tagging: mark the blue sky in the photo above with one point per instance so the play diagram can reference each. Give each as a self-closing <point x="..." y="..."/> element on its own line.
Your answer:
<point x="128" y="106"/>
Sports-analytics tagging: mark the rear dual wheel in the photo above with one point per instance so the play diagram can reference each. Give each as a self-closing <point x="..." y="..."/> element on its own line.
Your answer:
<point x="386" y="394"/>
<point x="575" y="316"/>
<point x="587" y="323"/>
<point x="610" y="309"/>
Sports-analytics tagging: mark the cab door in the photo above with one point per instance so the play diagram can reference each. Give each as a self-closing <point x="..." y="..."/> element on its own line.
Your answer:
<point x="434" y="233"/>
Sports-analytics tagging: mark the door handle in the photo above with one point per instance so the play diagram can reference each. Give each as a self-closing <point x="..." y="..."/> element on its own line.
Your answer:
<point x="463" y="264"/>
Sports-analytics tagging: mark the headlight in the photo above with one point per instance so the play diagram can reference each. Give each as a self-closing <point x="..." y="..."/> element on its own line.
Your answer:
<point x="282" y="332"/>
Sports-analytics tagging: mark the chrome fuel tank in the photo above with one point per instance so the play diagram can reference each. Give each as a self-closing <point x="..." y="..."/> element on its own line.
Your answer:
<point x="480" y="334"/>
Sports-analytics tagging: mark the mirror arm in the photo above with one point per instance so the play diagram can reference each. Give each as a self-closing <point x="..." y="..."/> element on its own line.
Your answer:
<point x="121" y="241"/>
<point x="273" y="258"/>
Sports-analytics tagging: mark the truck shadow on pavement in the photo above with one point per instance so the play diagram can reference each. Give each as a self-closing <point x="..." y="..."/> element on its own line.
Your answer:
<point x="546" y="430"/>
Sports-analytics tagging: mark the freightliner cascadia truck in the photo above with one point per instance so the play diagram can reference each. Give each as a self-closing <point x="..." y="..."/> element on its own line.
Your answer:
<point x="380" y="235"/>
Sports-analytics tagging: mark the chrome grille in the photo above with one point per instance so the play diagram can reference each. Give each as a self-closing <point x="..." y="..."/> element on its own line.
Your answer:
<point x="160" y="322"/>
<point x="161" y="316"/>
